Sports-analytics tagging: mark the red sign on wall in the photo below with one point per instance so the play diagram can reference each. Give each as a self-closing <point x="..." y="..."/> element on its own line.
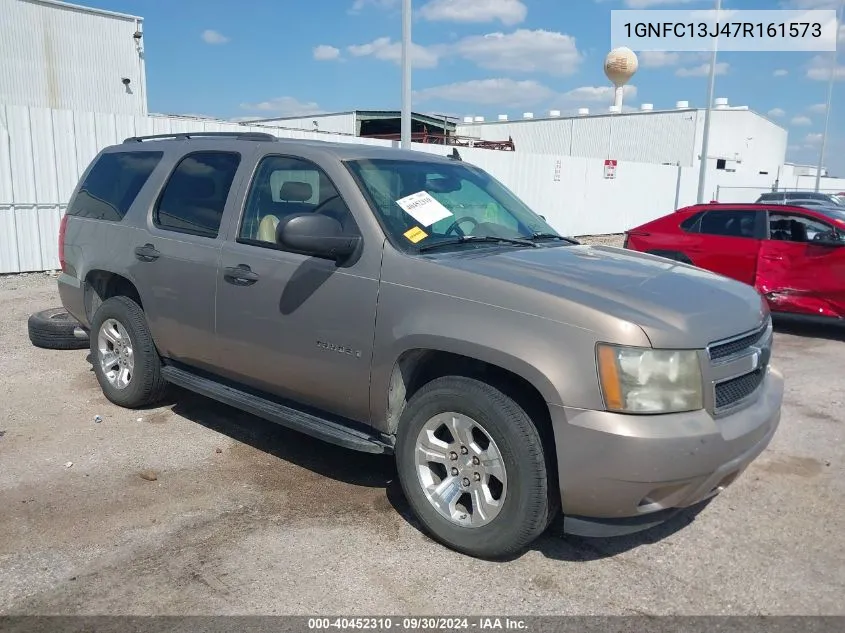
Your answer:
<point x="610" y="168"/>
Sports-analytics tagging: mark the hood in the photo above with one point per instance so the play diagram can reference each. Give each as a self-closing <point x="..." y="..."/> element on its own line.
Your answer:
<point x="676" y="305"/>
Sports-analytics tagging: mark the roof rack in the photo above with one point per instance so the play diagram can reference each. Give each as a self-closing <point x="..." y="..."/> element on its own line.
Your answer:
<point x="238" y="136"/>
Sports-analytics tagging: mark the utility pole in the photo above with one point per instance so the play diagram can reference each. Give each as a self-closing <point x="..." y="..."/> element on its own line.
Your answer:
<point x="406" y="74"/>
<point x="830" y="82"/>
<point x="705" y="146"/>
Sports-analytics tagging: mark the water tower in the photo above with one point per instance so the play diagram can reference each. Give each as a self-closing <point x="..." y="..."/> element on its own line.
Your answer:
<point x="619" y="66"/>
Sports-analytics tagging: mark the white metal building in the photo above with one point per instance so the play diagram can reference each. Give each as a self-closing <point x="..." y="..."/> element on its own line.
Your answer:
<point x="364" y="123"/>
<point x="64" y="56"/>
<point x="741" y="140"/>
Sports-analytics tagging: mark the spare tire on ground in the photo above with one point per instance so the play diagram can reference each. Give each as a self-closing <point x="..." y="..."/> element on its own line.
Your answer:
<point x="56" y="329"/>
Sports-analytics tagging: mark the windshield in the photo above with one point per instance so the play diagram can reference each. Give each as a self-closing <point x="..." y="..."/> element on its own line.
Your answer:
<point x="831" y="212"/>
<point x="422" y="203"/>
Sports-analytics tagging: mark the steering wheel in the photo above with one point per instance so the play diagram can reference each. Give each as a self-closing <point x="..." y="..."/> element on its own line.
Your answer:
<point x="455" y="225"/>
<point x="324" y="203"/>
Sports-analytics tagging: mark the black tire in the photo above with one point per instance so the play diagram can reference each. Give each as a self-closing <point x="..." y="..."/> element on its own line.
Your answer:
<point x="55" y="329"/>
<point x="527" y="509"/>
<point x="146" y="385"/>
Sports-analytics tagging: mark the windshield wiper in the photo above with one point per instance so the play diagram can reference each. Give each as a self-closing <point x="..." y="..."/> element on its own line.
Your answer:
<point x="469" y="239"/>
<point x="551" y="236"/>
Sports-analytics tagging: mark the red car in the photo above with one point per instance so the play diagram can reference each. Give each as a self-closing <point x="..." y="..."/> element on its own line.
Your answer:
<point x="793" y="256"/>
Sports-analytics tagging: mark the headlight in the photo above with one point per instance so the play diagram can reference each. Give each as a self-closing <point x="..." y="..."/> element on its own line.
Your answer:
<point x="643" y="380"/>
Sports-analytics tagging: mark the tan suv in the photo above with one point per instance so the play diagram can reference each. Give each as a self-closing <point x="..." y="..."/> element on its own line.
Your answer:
<point x="404" y="303"/>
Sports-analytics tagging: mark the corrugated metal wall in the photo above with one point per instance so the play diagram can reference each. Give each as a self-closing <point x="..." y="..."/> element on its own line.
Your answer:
<point x="43" y="152"/>
<point x="56" y="56"/>
<point x="656" y="137"/>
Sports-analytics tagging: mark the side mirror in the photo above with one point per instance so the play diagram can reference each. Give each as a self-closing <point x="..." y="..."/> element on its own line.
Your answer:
<point x="828" y="238"/>
<point x="316" y="235"/>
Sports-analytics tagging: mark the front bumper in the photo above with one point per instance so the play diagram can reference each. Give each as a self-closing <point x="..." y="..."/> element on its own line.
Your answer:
<point x="621" y="474"/>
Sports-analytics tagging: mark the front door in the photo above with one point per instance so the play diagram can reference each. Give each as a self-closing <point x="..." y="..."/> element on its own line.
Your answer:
<point x="296" y="326"/>
<point x="797" y="275"/>
<point x="176" y="255"/>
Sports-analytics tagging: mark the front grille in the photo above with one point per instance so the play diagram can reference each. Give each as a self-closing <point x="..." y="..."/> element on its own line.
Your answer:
<point x="737" y="378"/>
<point x="735" y="389"/>
<point x="734" y="347"/>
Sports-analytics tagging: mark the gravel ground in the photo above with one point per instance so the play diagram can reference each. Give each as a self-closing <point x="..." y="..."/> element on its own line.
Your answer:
<point x="602" y="240"/>
<point x="238" y="516"/>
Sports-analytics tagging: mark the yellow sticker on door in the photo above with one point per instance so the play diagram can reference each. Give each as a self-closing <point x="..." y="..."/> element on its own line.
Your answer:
<point x="416" y="234"/>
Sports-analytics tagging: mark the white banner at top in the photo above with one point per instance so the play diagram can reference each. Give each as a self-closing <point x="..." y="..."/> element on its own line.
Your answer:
<point x="730" y="30"/>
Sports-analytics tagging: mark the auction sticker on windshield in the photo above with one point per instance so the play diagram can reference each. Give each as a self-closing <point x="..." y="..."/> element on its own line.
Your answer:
<point x="416" y="234"/>
<point x="423" y="208"/>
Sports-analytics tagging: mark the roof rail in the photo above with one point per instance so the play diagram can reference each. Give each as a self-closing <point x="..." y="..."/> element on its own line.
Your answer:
<point x="239" y="136"/>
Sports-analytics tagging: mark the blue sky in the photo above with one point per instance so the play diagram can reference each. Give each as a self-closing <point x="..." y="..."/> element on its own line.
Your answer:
<point x="264" y="58"/>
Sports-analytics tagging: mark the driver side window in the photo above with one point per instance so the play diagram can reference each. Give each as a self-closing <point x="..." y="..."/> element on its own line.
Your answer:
<point x="284" y="186"/>
<point x="790" y="227"/>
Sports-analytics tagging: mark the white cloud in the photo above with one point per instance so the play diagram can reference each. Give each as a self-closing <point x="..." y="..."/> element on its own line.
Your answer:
<point x="597" y="93"/>
<point x="360" y="5"/>
<point x="324" y="52"/>
<point x="777" y="113"/>
<point x="780" y="72"/>
<point x="658" y="59"/>
<point x="703" y="70"/>
<point x="210" y="36"/>
<point x="385" y="49"/>
<point x="801" y="120"/>
<point x="819" y="69"/>
<point x="489" y="92"/>
<point x="523" y="50"/>
<point x="818" y="108"/>
<point x="813" y="139"/>
<point x="282" y="106"/>
<point x="508" y="12"/>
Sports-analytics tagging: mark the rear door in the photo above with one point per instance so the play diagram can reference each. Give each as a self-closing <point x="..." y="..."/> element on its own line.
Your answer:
<point x="176" y="255"/>
<point x="797" y="275"/>
<point x="727" y="241"/>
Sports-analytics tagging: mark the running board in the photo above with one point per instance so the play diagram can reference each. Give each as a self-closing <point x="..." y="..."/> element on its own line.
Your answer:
<point x="313" y="425"/>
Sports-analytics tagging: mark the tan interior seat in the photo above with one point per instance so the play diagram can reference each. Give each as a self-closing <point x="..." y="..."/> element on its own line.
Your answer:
<point x="267" y="229"/>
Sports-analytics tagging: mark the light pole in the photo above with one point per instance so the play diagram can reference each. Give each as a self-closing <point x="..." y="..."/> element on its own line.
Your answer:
<point x="406" y="74"/>
<point x="705" y="145"/>
<point x="830" y="82"/>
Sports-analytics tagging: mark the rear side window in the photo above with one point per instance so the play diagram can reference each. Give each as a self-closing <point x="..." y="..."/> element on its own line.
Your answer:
<point x="729" y="223"/>
<point x="693" y="223"/>
<point x="195" y="196"/>
<point x="112" y="185"/>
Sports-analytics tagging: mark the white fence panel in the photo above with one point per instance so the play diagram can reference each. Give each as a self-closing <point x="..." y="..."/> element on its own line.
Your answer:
<point x="8" y="240"/>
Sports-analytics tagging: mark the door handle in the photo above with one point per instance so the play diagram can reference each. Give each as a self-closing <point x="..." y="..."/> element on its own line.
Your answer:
<point x="147" y="253"/>
<point x="240" y="275"/>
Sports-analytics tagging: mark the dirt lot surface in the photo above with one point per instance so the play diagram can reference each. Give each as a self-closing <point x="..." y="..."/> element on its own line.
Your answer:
<point x="237" y="516"/>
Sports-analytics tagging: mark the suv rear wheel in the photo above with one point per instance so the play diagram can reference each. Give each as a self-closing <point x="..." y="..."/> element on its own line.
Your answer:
<point x="125" y="359"/>
<point x="472" y="466"/>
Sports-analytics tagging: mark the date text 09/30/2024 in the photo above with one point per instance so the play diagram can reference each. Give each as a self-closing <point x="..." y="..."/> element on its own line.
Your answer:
<point x="418" y="624"/>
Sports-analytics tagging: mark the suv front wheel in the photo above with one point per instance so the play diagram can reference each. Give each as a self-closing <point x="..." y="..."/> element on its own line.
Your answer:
<point x="472" y="466"/>
<point x="125" y="359"/>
